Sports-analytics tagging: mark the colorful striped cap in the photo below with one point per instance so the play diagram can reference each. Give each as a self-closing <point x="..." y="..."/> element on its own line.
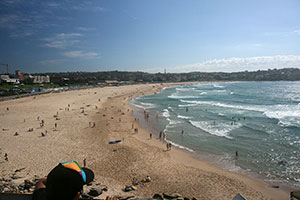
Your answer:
<point x="68" y="176"/>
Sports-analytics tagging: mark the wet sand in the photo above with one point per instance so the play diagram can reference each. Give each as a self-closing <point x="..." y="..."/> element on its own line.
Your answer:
<point x="115" y="165"/>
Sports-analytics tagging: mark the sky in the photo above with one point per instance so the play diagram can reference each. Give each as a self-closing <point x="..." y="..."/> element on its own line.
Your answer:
<point x="141" y="35"/>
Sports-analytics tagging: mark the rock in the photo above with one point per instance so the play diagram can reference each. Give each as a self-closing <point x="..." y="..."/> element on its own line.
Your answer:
<point x="85" y="196"/>
<point x="126" y="197"/>
<point x="185" y="198"/>
<point x="157" y="196"/>
<point x="104" y="188"/>
<point x="6" y="190"/>
<point x="171" y="196"/>
<point x="95" y="191"/>
<point x="27" y="184"/>
<point x="144" y="199"/>
<point x="194" y="198"/>
<point x="129" y="188"/>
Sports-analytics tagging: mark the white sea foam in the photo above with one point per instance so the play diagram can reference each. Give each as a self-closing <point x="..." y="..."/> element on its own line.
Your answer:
<point x="183" y="117"/>
<point x="288" y="115"/>
<point x="173" y="122"/>
<point x="166" y="113"/>
<point x="251" y="108"/>
<point x="148" y="105"/>
<point x="203" y="93"/>
<point x="139" y="106"/>
<point x="179" y="146"/>
<point x="187" y="105"/>
<point x="176" y="96"/>
<point x="218" y="86"/>
<point x="185" y="89"/>
<point x="218" y="129"/>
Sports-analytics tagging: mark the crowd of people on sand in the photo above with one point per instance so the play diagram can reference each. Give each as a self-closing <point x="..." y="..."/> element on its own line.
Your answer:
<point x="136" y="182"/>
<point x="162" y="134"/>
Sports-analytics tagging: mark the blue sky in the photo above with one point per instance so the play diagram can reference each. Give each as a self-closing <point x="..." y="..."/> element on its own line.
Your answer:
<point x="140" y="35"/>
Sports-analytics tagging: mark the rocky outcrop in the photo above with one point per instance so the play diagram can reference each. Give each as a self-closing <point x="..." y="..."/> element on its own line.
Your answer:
<point x="20" y="185"/>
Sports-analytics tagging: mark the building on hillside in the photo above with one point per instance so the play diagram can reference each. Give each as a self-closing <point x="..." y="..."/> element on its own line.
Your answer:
<point x="41" y="79"/>
<point x="10" y="79"/>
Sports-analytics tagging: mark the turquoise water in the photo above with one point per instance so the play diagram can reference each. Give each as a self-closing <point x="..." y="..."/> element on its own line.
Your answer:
<point x="259" y="120"/>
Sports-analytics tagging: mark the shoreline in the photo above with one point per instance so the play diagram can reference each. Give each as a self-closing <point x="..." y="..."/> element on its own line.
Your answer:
<point x="114" y="165"/>
<point x="153" y="127"/>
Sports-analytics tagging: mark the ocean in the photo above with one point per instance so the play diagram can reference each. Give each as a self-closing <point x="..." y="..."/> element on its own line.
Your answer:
<point x="259" y="121"/>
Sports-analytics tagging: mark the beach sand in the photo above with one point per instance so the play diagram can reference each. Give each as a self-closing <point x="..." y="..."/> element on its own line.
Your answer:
<point x="114" y="165"/>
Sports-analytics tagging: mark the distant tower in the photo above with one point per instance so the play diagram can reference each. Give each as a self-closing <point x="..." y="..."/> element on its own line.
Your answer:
<point x="165" y="71"/>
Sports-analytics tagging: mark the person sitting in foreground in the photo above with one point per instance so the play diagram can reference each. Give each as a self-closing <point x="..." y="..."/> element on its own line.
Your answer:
<point x="135" y="181"/>
<point x="64" y="182"/>
<point x="148" y="179"/>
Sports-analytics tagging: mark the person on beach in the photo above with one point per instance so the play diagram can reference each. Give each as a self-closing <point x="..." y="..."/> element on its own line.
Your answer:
<point x="148" y="179"/>
<point x="182" y="132"/>
<point x="16" y="133"/>
<point x="135" y="181"/>
<point x="170" y="146"/>
<point x="160" y="135"/>
<point x="6" y="156"/>
<point x="64" y="182"/>
<point x="55" y="125"/>
<point x="150" y="135"/>
<point x="236" y="153"/>
<point x="164" y="136"/>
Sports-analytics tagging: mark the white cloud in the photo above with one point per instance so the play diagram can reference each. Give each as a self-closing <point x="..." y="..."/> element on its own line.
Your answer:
<point x="296" y="32"/>
<point x="81" y="28"/>
<point x="53" y="4"/>
<point x="51" y="62"/>
<point x="236" y="64"/>
<point x="62" y="40"/>
<point x="80" y="54"/>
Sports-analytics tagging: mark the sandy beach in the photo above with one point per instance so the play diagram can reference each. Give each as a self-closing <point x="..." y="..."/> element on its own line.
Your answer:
<point x="86" y="120"/>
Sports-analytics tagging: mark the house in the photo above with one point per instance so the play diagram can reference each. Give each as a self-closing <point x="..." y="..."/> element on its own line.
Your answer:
<point x="11" y="79"/>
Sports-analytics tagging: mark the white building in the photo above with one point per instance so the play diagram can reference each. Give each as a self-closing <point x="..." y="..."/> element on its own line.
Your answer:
<point x="10" y="79"/>
<point x="41" y="79"/>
